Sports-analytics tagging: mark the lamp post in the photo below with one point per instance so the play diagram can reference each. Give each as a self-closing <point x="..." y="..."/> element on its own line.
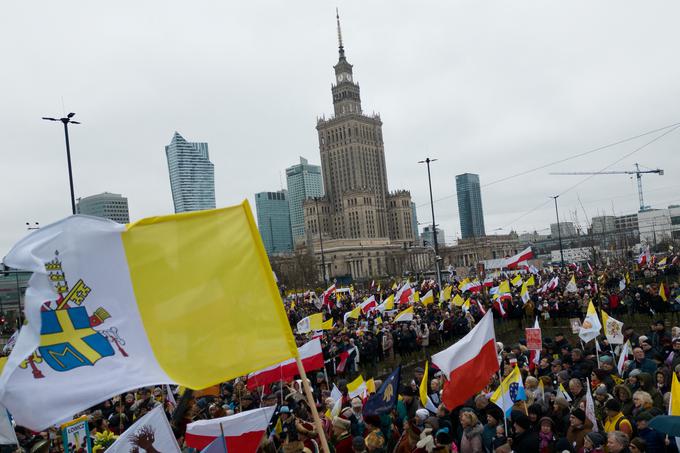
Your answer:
<point x="66" y="121"/>
<point x="559" y="230"/>
<point x="323" y="259"/>
<point x="434" y="225"/>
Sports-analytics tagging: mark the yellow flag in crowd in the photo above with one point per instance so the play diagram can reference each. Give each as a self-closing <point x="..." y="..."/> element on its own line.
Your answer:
<point x="416" y="296"/>
<point x="458" y="301"/>
<point x="530" y="281"/>
<point x="327" y="325"/>
<point x="674" y="408"/>
<point x="356" y="387"/>
<point x="662" y="292"/>
<point x="462" y="284"/>
<point x="517" y="280"/>
<point x="370" y="386"/>
<point x="446" y="294"/>
<point x="428" y="298"/>
<point x="423" y="387"/>
<point x="292" y="305"/>
<point x="389" y="302"/>
<point x="504" y="287"/>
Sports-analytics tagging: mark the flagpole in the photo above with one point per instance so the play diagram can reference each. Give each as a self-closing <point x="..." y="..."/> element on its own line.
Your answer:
<point x="224" y="440"/>
<point x="312" y="405"/>
<point x="505" y="418"/>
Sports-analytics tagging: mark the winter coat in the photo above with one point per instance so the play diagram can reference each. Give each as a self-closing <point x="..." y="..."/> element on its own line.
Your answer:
<point x="471" y="442"/>
<point x="575" y="436"/>
<point x="526" y="442"/>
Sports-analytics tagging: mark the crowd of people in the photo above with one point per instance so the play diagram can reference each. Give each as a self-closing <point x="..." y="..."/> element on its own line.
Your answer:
<point x="551" y="418"/>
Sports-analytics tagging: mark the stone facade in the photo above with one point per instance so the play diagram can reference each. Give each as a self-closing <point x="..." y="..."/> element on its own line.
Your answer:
<point x="468" y="252"/>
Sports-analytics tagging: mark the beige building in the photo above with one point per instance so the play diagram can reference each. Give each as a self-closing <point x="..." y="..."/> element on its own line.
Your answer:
<point x="358" y="212"/>
<point x="469" y="252"/>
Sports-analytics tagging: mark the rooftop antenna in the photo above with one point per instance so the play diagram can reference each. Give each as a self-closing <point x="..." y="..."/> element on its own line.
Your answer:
<point x="340" y="46"/>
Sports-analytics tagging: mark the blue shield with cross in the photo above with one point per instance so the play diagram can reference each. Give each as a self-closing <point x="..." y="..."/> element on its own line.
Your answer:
<point x="68" y="341"/>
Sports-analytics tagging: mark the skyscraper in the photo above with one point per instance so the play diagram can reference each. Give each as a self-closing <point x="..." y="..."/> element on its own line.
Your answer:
<point x="470" y="205"/>
<point x="273" y="221"/>
<point x="303" y="181"/>
<point x="356" y="199"/>
<point x="192" y="175"/>
<point x="110" y="206"/>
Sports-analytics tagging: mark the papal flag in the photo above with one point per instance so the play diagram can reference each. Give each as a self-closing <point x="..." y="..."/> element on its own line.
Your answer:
<point x="591" y="326"/>
<point x="613" y="329"/>
<point x="571" y="286"/>
<point x="517" y="280"/>
<point x="114" y="307"/>
<point x="405" y="315"/>
<point x="428" y="298"/>
<point x="311" y="322"/>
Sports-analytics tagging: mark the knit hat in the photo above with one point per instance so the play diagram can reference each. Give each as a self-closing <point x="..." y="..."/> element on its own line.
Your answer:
<point x="443" y="437"/>
<point x="579" y="413"/>
<point x="643" y="416"/>
<point x="613" y="405"/>
<point x="563" y="375"/>
<point x="601" y="390"/>
<point x="596" y="438"/>
<point x="422" y="414"/>
<point x="521" y="420"/>
<point x="606" y="359"/>
<point x="547" y="420"/>
<point x="636" y="372"/>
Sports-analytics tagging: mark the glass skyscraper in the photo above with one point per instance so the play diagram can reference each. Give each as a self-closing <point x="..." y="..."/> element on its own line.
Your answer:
<point x="192" y="175"/>
<point x="110" y="206"/>
<point x="470" y="205"/>
<point x="273" y="221"/>
<point x="304" y="181"/>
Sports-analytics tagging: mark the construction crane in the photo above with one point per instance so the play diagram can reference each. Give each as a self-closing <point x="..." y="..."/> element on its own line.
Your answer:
<point x="637" y="172"/>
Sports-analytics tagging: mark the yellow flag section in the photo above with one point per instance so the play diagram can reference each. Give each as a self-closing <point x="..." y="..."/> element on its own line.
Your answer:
<point x="674" y="407"/>
<point x="327" y="325"/>
<point x="530" y="281"/>
<point x="356" y="387"/>
<point x="147" y="303"/>
<point x="423" y="387"/>
<point x="591" y="326"/>
<point x="458" y="301"/>
<point x="428" y="298"/>
<point x="311" y="322"/>
<point x="446" y="294"/>
<point x="405" y="316"/>
<point x="517" y="280"/>
<point x="663" y="292"/>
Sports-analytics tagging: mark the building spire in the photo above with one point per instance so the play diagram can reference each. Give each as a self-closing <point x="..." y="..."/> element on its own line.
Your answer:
<point x="341" y="49"/>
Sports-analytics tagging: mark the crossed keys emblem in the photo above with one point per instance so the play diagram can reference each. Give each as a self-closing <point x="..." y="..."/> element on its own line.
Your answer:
<point x="389" y="392"/>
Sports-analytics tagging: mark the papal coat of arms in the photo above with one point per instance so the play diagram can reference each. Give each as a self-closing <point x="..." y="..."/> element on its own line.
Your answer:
<point x="70" y="336"/>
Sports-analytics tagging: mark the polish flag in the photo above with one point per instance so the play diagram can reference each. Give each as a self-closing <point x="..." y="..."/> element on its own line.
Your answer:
<point x="488" y="282"/>
<point x="513" y="261"/>
<point x="368" y="305"/>
<point x="469" y="363"/>
<point x="310" y="355"/>
<point x="481" y="309"/>
<point x="404" y="294"/>
<point x="344" y="355"/>
<point x="242" y="432"/>
<point x="327" y="296"/>
<point x="553" y="283"/>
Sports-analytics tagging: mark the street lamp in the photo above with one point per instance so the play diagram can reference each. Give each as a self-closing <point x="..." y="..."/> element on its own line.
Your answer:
<point x="66" y="121"/>
<point x="323" y="259"/>
<point x="434" y="226"/>
<point x="559" y="230"/>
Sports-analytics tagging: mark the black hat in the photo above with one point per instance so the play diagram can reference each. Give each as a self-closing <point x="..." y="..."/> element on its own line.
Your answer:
<point x="521" y="420"/>
<point x="408" y="391"/>
<point x="578" y="413"/>
<point x="643" y="416"/>
<point x="596" y="438"/>
<point x="612" y="405"/>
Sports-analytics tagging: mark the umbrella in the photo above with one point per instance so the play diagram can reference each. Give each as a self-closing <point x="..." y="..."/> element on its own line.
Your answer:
<point x="667" y="424"/>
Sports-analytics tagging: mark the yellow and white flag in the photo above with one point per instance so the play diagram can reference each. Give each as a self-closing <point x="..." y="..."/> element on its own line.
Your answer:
<point x="114" y="307"/>
<point x="613" y="329"/>
<point x="517" y="280"/>
<point x="591" y="326"/>
<point x="446" y="294"/>
<point x="311" y="322"/>
<point x="405" y="316"/>
<point x="428" y="298"/>
<point x="356" y="387"/>
<point x="571" y="286"/>
<point x="458" y="301"/>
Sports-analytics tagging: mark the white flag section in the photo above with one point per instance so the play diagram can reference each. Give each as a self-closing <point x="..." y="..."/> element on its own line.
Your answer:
<point x="7" y="434"/>
<point x="243" y="431"/>
<point x="151" y="433"/>
<point x="613" y="329"/>
<point x="590" y="407"/>
<point x="591" y="326"/>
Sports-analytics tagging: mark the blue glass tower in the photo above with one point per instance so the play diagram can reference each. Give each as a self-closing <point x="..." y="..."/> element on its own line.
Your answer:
<point x="192" y="175"/>
<point x="273" y="221"/>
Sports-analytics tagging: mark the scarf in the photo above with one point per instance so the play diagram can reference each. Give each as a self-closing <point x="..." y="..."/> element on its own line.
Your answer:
<point x="544" y="439"/>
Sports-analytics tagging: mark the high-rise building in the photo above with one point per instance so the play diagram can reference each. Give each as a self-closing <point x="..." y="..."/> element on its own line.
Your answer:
<point x="273" y="221"/>
<point x="110" y="206"/>
<point x="303" y="181"/>
<point x="603" y="224"/>
<point x="414" y="220"/>
<point x="566" y="230"/>
<point x="470" y="205"/>
<point x="357" y="199"/>
<point x="192" y="175"/>
<point x="428" y="239"/>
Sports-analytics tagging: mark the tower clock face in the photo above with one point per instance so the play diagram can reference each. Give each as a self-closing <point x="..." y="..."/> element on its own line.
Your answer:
<point x="344" y="77"/>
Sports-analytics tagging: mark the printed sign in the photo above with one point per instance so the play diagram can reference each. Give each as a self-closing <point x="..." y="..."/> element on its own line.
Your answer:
<point x="76" y="436"/>
<point x="533" y="339"/>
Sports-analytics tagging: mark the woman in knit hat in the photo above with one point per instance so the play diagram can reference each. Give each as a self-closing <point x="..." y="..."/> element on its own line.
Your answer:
<point x="560" y="415"/>
<point x="579" y="426"/>
<point x="546" y="435"/>
<point x="593" y="443"/>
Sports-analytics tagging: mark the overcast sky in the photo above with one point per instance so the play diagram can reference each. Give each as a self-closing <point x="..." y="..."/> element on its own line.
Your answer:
<point x="489" y="87"/>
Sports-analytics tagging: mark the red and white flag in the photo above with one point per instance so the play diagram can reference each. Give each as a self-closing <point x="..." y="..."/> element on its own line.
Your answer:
<point x="327" y="296"/>
<point x="404" y="294"/>
<point x="368" y="305"/>
<point x="513" y="261"/>
<point x="242" y="432"/>
<point x="310" y="355"/>
<point x="469" y="363"/>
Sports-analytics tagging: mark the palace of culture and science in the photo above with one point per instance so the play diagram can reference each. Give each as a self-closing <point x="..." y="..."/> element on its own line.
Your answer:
<point x="366" y="230"/>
